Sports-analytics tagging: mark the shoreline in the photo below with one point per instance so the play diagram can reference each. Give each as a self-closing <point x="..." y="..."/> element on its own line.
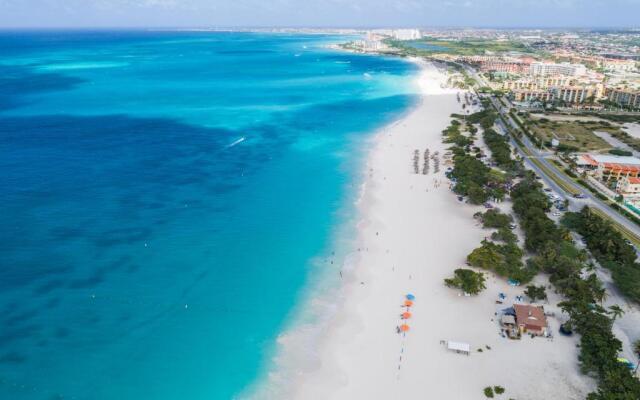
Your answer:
<point x="411" y="233"/>
<point x="309" y="319"/>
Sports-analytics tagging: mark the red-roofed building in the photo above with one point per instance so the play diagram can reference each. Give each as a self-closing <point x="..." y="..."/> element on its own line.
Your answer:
<point x="607" y="167"/>
<point x="629" y="188"/>
<point x="530" y="319"/>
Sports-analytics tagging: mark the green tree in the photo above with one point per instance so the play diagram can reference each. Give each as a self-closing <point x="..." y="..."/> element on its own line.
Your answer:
<point x="486" y="256"/>
<point x="468" y="280"/>
<point x="615" y="311"/>
<point x="536" y="293"/>
<point x="495" y="219"/>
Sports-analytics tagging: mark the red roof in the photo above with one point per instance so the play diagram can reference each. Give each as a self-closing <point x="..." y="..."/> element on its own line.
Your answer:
<point x="621" y="167"/>
<point x="634" y="181"/>
<point x="589" y="160"/>
<point x="531" y="317"/>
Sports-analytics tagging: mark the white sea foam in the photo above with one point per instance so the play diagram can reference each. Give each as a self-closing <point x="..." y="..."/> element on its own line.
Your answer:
<point x="236" y="142"/>
<point x="81" y="65"/>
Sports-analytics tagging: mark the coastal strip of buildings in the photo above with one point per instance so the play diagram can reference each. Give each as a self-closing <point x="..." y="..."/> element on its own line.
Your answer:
<point x="570" y="74"/>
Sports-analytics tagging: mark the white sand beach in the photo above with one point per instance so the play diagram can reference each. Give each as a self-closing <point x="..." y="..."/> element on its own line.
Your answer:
<point x="413" y="234"/>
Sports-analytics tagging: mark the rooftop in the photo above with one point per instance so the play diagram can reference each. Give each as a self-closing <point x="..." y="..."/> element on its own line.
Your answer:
<point x="609" y="161"/>
<point x="532" y="317"/>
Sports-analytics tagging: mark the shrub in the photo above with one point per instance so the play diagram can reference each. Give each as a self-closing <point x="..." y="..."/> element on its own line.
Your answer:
<point x="488" y="392"/>
<point x="620" y="152"/>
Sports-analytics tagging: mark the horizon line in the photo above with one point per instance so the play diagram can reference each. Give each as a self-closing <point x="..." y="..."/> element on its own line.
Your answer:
<point x="319" y="27"/>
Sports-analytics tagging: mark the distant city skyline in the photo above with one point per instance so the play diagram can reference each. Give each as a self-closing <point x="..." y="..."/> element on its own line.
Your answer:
<point x="320" y="13"/>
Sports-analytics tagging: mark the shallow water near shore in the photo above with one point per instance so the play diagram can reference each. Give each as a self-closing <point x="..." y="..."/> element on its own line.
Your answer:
<point x="165" y="196"/>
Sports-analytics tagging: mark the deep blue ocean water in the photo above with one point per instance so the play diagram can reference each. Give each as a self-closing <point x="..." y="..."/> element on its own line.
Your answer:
<point x="163" y="195"/>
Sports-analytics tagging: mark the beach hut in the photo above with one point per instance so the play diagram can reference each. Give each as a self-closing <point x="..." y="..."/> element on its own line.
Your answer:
<point x="459" y="347"/>
<point x="531" y="319"/>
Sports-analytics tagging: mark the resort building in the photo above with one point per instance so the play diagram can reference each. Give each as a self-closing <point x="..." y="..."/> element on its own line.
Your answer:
<point x="629" y="189"/>
<point x="370" y="45"/>
<point x="566" y="94"/>
<point x="543" y="69"/>
<point x="506" y="65"/>
<point x="532" y="95"/>
<point x="406" y="34"/>
<point x="578" y="94"/>
<point x="624" y="97"/>
<point x="530" y="319"/>
<point x="538" y="83"/>
<point x="607" y="167"/>
<point x="618" y="65"/>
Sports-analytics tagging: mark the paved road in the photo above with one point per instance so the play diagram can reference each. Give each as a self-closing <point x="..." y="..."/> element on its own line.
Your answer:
<point x="574" y="204"/>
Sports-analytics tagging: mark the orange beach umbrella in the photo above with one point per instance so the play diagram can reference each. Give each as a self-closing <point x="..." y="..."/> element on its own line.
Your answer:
<point x="404" y="327"/>
<point x="408" y="303"/>
<point x="406" y="315"/>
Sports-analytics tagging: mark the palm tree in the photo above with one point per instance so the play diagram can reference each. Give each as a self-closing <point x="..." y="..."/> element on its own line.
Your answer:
<point x="601" y="295"/>
<point x="615" y="312"/>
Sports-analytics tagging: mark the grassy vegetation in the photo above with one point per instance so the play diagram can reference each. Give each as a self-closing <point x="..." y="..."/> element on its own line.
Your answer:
<point x="622" y="118"/>
<point x="575" y="136"/>
<point x="579" y="135"/>
<point x="466" y="47"/>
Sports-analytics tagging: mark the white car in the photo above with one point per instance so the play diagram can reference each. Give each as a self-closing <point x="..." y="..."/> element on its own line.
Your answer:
<point x="556" y="214"/>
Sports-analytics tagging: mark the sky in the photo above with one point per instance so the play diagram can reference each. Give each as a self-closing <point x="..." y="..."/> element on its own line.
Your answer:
<point x="319" y="13"/>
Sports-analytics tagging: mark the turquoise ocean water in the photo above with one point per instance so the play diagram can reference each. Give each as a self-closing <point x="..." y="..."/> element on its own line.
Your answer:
<point x="163" y="196"/>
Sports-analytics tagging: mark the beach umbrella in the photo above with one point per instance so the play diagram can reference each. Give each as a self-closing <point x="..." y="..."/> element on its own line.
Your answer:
<point x="406" y="315"/>
<point x="408" y="303"/>
<point x="411" y="297"/>
<point x="404" y="327"/>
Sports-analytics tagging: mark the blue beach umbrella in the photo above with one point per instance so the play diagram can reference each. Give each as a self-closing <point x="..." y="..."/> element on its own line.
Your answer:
<point x="411" y="297"/>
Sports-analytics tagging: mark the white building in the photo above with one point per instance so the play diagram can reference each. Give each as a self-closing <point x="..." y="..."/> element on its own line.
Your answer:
<point x="543" y="69"/>
<point x="619" y="65"/>
<point x="370" y="45"/>
<point x="406" y="34"/>
<point x="629" y="189"/>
